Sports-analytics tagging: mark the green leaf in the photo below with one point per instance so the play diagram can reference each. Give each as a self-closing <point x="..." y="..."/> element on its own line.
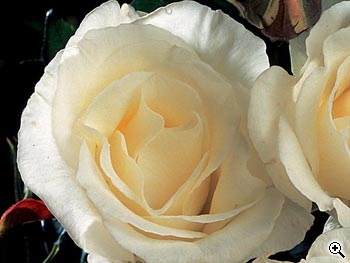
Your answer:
<point x="150" y="5"/>
<point x="59" y="31"/>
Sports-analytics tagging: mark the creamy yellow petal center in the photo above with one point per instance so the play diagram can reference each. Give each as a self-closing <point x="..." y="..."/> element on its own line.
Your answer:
<point x="341" y="105"/>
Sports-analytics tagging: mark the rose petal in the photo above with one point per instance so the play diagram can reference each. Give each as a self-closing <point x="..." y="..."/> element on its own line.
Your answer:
<point x="206" y="223"/>
<point x="256" y="167"/>
<point x="236" y="186"/>
<point x="104" y="114"/>
<point x="125" y="175"/>
<point x="293" y="223"/>
<point x="338" y="14"/>
<point x="173" y="99"/>
<point x="342" y="125"/>
<point x="306" y="115"/>
<point x="103" y="56"/>
<point x="98" y="240"/>
<point x="169" y="159"/>
<point x="109" y="206"/>
<point x="233" y="240"/>
<point x="93" y="258"/>
<point x="297" y="167"/>
<point x="343" y="212"/>
<point x="258" y="221"/>
<point x="340" y="108"/>
<point x="142" y="128"/>
<point x="320" y="246"/>
<point x="332" y="222"/>
<point x="212" y="218"/>
<point x="47" y="174"/>
<point x="232" y="56"/>
<point x="297" y="51"/>
<point x="151" y="250"/>
<point x="334" y="153"/>
<point x="207" y="83"/>
<point x="102" y="108"/>
<point x="339" y="96"/>
<point x="109" y="14"/>
<point x="335" y="50"/>
<point x="176" y="202"/>
<point x="147" y="123"/>
<point x="268" y="96"/>
<point x="341" y="105"/>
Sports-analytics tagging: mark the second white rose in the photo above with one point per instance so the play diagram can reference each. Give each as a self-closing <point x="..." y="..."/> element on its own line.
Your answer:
<point x="300" y="124"/>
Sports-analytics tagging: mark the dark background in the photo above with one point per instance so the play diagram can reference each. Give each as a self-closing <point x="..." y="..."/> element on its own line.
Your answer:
<point x="22" y="61"/>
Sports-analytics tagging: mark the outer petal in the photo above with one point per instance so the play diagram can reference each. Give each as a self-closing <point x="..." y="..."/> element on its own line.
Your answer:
<point x="320" y="246"/>
<point x="220" y="41"/>
<point x="226" y="245"/>
<point x="246" y="233"/>
<point x="109" y="206"/>
<point x="306" y="115"/>
<point x="268" y="96"/>
<point x="297" y="50"/>
<point x="93" y="258"/>
<point x="46" y="173"/>
<point x="339" y="15"/>
<point x="106" y="15"/>
<point x="293" y="223"/>
<point x="297" y="167"/>
<point x="343" y="212"/>
<point x="331" y="223"/>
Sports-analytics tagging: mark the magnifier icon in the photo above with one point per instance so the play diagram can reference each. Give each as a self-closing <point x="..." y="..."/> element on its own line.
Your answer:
<point x="335" y="248"/>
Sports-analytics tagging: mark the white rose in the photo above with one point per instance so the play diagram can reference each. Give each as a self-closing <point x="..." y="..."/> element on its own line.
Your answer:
<point x="134" y="140"/>
<point x="300" y="125"/>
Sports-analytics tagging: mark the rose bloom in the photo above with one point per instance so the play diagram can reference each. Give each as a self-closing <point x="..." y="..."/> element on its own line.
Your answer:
<point x="300" y="125"/>
<point x="135" y="138"/>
